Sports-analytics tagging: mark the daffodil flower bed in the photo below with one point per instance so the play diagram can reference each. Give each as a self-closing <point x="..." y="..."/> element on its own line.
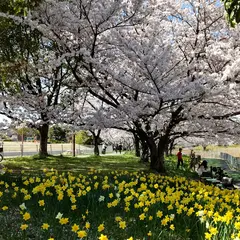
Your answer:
<point x="117" y="206"/>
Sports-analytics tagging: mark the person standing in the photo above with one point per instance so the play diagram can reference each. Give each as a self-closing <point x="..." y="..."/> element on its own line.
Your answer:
<point x="104" y="148"/>
<point x="192" y="160"/>
<point x="203" y="167"/>
<point x="179" y="158"/>
<point x="120" y="147"/>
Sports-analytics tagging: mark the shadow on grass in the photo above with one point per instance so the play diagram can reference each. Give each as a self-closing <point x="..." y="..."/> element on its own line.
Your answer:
<point x="182" y="171"/>
<point x="76" y="164"/>
<point x="108" y="163"/>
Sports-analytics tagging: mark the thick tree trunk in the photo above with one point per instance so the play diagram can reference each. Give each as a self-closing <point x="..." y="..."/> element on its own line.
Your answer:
<point x="137" y="146"/>
<point x="43" y="131"/>
<point x="95" y="141"/>
<point x="145" y="151"/>
<point x="166" y="147"/>
<point x="171" y="147"/>
<point x="157" y="155"/>
<point x="153" y="156"/>
<point x="161" y="146"/>
<point x="167" y="150"/>
<point x="156" y="152"/>
<point x="96" y="148"/>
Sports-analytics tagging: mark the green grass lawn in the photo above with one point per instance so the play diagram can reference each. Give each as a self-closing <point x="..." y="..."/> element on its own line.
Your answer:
<point x="110" y="198"/>
<point x="107" y="163"/>
<point x="123" y="162"/>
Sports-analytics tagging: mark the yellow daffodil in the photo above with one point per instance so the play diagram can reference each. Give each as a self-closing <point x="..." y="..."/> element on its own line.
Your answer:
<point x="27" y="197"/>
<point x="41" y="203"/>
<point x="63" y="221"/>
<point x="213" y="230"/>
<point x="118" y="219"/>
<point x="142" y="216"/>
<point x="82" y="234"/>
<point x="122" y="224"/>
<point x="159" y="214"/>
<point x="87" y="225"/>
<point x="75" y="227"/>
<point x="45" y="226"/>
<point x="101" y="227"/>
<point x="74" y="207"/>
<point x="4" y="208"/>
<point x="149" y="234"/>
<point x="24" y="227"/>
<point x="26" y="216"/>
<point x="208" y="236"/>
<point x="103" y="237"/>
<point x="172" y="227"/>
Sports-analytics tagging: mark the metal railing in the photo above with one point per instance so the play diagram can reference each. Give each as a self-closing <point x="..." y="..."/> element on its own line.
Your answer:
<point x="233" y="162"/>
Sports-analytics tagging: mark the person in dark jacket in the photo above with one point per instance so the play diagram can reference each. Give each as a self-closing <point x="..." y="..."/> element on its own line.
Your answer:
<point x="120" y="148"/>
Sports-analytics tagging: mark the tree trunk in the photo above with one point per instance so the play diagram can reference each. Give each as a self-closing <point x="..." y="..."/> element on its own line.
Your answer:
<point x="145" y="151"/>
<point x="95" y="141"/>
<point x="167" y="150"/>
<point x="96" y="148"/>
<point x="43" y="131"/>
<point x="157" y="155"/>
<point x="137" y="145"/>
<point x="73" y="145"/>
<point x="171" y="146"/>
<point x="161" y="146"/>
<point x="153" y="155"/>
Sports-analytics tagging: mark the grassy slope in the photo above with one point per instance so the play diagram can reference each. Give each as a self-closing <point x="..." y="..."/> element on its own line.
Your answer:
<point x="107" y="163"/>
<point x="83" y="164"/>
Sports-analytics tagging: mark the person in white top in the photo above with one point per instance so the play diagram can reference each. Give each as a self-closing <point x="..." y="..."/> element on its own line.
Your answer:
<point x="203" y="167"/>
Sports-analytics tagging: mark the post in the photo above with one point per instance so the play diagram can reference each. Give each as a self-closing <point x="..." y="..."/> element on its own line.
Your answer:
<point x="21" y="149"/>
<point x="73" y="145"/>
<point x="22" y="144"/>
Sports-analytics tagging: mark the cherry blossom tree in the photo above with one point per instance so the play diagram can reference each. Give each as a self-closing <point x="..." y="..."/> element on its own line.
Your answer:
<point x="154" y="73"/>
<point x="158" y="67"/>
<point x="31" y="91"/>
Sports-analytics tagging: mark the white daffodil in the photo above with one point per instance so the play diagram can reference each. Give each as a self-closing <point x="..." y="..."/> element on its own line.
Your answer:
<point x="207" y="224"/>
<point x="101" y="199"/>
<point x="23" y="206"/>
<point x="200" y="213"/>
<point x="59" y="215"/>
